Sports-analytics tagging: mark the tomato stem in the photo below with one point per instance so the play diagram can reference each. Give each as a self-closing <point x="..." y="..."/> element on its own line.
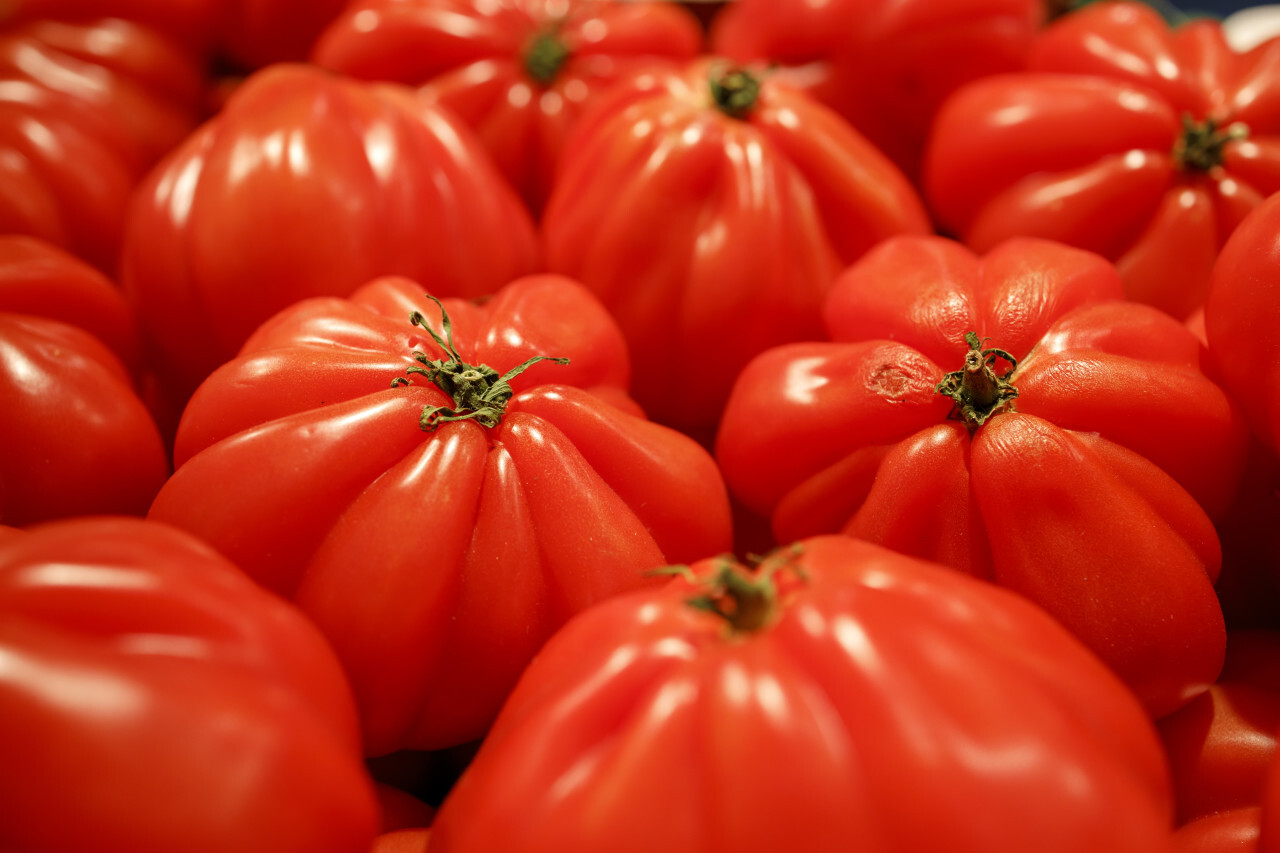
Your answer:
<point x="977" y="390"/>
<point x="478" y="392"/>
<point x="747" y="601"/>
<point x="734" y="91"/>
<point x="1201" y="145"/>
<point x="545" y="56"/>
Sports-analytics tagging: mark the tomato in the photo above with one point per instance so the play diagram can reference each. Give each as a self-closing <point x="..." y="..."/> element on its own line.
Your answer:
<point x="1144" y="143"/>
<point x="1221" y="744"/>
<point x="885" y="65"/>
<point x="437" y="554"/>
<point x="1084" y="480"/>
<point x="710" y="210"/>
<point x="839" y="697"/>
<point x="85" y="109"/>
<point x="1242" y="319"/>
<point x="519" y="72"/>
<point x="1235" y="831"/>
<point x="402" y="841"/>
<point x="307" y="184"/>
<point x="154" y="699"/>
<point x="75" y="437"/>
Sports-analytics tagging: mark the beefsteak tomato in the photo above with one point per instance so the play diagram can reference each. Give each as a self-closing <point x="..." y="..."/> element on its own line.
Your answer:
<point x="838" y="697"/>
<point x="710" y="208"/>
<point x="519" y="72"/>
<point x="1071" y="466"/>
<point x="439" y="537"/>
<point x="307" y="184"/>
<point x="1143" y="142"/>
<point x="153" y="699"/>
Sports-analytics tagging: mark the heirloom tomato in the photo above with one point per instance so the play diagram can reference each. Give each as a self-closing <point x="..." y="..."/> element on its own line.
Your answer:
<point x="307" y="184"/>
<point x="85" y="110"/>
<point x="519" y="72"/>
<point x="75" y="437"/>
<point x="837" y="697"/>
<point x="1221" y="744"/>
<point x="1145" y="143"/>
<point x="1242" y="319"/>
<point x="885" y="65"/>
<point x="1009" y="416"/>
<point x="153" y="699"/>
<point x="439" y="536"/>
<point x="710" y="209"/>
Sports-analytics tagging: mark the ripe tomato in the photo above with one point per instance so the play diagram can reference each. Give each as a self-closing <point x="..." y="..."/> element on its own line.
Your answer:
<point x="307" y="184"/>
<point x="152" y="699"/>
<point x="438" y="554"/>
<point x="1242" y="319"/>
<point x="1234" y="831"/>
<point x="710" y="209"/>
<point x="519" y="72"/>
<point x="885" y="65"/>
<point x="1144" y="143"/>
<point x="841" y="697"/>
<point x="85" y="109"/>
<point x="1086" y="488"/>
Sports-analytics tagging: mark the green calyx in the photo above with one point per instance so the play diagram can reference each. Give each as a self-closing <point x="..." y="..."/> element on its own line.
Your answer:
<point x="479" y="393"/>
<point x="1201" y="145"/>
<point x="977" y="390"/>
<point x="734" y="91"/>
<point x="545" y="56"/>
<point x="747" y="600"/>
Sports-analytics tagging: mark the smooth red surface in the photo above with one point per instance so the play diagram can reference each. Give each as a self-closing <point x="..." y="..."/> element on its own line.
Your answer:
<point x="1093" y="496"/>
<point x="1079" y="147"/>
<point x="712" y="238"/>
<point x="885" y="65"/>
<point x="153" y="699"/>
<point x="307" y="184"/>
<point x="437" y="563"/>
<point x="471" y="57"/>
<point x="884" y="684"/>
<point x="1235" y="831"/>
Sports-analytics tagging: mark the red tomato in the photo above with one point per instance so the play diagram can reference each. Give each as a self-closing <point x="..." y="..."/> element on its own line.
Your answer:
<point x="1092" y="458"/>
<point x="1221" y="744"/>
<point x="307" y="185"/>
<point x="1235" y="831"/>
<point x="301" y="462"/>
<point x="885" y="65"/>
<point x="85" y="109"/>
<point x="152" y="699"/>
<point x="841" y="697"/>
<point x="711" y="210"/>
<point x="1144" y="143"/>
<point x="1242" y="319"/>
<point x="402" y="841"/>
<point x="519" y="72"/>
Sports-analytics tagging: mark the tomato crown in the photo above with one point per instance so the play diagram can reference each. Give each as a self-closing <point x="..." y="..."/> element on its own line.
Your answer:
<point x="977" y="390"/>
<point x="747" y="598"/>
<point x="479" y="393"/>
<point x="1200" y="147"/>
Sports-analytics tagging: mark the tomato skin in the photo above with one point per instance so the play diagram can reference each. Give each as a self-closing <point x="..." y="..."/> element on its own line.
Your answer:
<point x="301" y="462"/>
<point x="1092" y="466"/>
<point x="711" y="238"/>
<point x="163" y="702"/>
<point x="814" y="732"/>
<point x="1242" y="320"/>
<point x="371" y="182"/>
<point x="917" y="51"/>
<point x="86" y="108"/>
<point x="1234" y="831"/>
<point x="1080" y="147"/>
<point x="471" y="57"/>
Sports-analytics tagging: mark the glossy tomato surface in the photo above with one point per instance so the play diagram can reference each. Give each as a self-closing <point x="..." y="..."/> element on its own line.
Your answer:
<point x="885" y="65"/>
<point x="710" y="209"/>
<point x="1090" y="488"/>
<point x="519" y="72"/>
<point x="153" y="699"/>
<point x="1143" y="142"/>
<point x="437" y="560"/>
<point x="877" y="703"/>
<point x="308" y="184"/>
